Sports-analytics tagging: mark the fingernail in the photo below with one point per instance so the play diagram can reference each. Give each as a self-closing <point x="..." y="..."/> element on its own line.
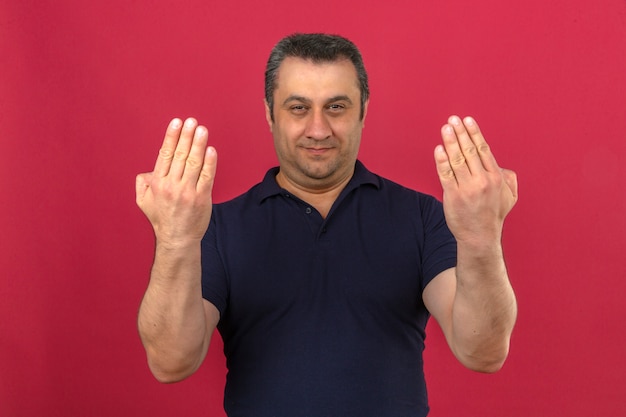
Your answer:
<point x="175" y="124"/>
<point x="201" y="131"/>
<point x="469" y="121"/>
<point x="454" y="120"/>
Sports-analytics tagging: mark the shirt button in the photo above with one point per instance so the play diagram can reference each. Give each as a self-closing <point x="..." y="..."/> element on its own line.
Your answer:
<point x="308" y="210"/>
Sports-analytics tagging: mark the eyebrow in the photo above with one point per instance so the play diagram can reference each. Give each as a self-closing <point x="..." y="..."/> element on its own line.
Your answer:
<point x="302" y="99"/>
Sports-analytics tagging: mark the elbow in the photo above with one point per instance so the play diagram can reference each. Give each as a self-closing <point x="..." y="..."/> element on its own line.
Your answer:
<point x="168" y="370"/>
<point x="484" y="366"/>
<point x="487" y="361"/>
<point x="168" y="377"/>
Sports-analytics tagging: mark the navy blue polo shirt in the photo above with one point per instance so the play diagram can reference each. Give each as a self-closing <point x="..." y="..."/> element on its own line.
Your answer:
<point x="324" y="317"/>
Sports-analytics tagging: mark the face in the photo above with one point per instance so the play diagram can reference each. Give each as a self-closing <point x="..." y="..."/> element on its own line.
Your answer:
<point x="317" y="125"/>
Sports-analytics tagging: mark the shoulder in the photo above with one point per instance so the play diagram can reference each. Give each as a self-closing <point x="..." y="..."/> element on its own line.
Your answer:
<point x="253" y="197"/>
<point x="400" y="194"/>
<point x="390" y="198"/>
<point x="389" y="187"/>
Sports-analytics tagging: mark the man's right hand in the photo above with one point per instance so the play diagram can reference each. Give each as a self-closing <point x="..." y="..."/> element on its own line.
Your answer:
<point x="176" y="196"/>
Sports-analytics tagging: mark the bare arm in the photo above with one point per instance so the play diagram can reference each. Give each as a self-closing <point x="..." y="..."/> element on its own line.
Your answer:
<point x="175" y="323"/>
<point x="474" y="303"/>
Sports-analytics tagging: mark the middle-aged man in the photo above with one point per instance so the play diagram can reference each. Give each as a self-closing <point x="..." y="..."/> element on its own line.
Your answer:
<point x="321" y="278"/>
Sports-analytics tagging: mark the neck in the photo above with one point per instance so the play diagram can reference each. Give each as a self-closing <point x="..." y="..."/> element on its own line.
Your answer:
<point x="321" y="198"/>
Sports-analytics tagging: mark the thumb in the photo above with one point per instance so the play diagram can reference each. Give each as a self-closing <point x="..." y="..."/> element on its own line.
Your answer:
<point x="142" y="183"/>
<point x="510" y="177"/>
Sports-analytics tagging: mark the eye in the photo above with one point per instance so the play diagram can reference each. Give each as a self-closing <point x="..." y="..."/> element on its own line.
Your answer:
<point x="336" y="107"/>
<point x="298" y="109"/>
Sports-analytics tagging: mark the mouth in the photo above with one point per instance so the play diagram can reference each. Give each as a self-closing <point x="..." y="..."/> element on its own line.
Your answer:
<point x="317" y="152"/>
<point x="317" y="149"/>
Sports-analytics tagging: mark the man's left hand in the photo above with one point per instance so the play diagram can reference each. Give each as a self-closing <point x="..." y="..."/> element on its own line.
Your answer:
<point x="477" y="193"/>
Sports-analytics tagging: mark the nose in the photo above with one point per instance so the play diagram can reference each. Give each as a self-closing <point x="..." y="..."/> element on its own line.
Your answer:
<point x="317" y="126"/>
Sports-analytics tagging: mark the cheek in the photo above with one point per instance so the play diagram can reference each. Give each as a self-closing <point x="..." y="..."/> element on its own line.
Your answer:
<point x="284" y="141"/>
<point x="352" y="135"/>
<point x="287" y="134"/>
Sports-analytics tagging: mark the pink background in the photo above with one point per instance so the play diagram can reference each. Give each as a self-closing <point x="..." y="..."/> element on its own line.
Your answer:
<point x="87" y="89"/>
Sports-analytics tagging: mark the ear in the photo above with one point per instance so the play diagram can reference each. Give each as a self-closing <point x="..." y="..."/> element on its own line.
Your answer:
<point x="268" y="114"/>
<point x="365" y="106"/>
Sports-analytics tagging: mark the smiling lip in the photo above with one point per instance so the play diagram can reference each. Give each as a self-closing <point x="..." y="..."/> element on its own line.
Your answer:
<point x="317" y="151"/>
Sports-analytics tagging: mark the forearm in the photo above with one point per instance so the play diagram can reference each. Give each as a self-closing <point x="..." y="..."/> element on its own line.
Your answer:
<point x="172" y="323"/>
<point x="484" y="309"/>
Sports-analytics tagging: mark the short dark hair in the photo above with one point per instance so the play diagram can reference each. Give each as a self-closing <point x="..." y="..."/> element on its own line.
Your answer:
<point x="319" y="48"/>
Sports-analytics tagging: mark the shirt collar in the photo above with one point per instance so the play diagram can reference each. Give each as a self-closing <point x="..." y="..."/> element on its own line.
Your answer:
<point x="362" y="176"/>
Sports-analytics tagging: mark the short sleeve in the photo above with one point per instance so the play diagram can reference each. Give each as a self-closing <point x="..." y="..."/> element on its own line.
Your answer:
<point x="214" y="279"/>
<point x="439" y="250"/>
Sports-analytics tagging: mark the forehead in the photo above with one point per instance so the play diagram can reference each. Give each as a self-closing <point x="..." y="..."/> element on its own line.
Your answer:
<point x="312" y="79"/>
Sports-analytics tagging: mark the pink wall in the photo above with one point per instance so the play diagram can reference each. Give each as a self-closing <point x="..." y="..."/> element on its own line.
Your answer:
<point x="87" y="88"/>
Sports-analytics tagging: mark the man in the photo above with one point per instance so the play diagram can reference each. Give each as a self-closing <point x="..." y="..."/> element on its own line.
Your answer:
<point x="321" y="278"/>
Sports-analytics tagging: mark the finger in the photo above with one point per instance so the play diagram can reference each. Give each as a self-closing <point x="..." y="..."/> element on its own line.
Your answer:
<point x="444" y="170"/>
<point x="466" y="145"/>
<point x="483" y="151"/>
<point x="166" y="153"/>
<point x="452" y="147"/>
<point x="207" y="174"/>
<point x="195" y="159"/>
<point x="183" y="147"/>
